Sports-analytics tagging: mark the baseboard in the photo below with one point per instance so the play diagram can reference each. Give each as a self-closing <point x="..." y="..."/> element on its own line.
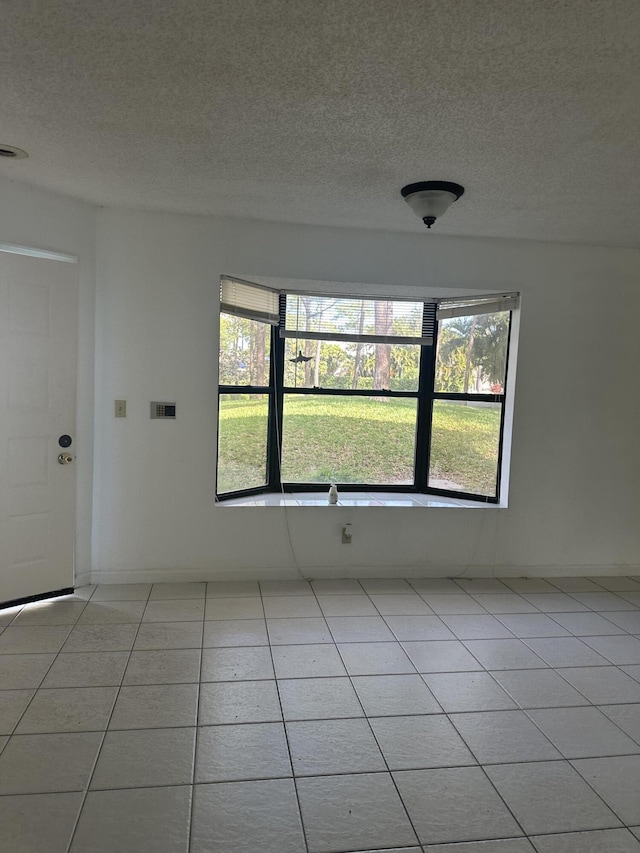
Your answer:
<point x="82" y="578"/>
<point x="106" y="576"/>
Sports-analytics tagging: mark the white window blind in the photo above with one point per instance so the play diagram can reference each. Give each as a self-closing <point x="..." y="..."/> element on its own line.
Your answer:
<point x="246" y="299"/>
<point x="467" y="306"/>
<point x="334" y="318"/>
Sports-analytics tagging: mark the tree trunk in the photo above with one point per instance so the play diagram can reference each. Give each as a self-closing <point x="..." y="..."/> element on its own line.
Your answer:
<point x="383" y="326"/>
<point x="316" y="366"/>
<point x="467" y="366"/>
<point x="358" y="358"/>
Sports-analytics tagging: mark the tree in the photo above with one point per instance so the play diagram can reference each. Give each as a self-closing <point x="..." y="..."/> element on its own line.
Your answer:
<point x="383" y="326"/>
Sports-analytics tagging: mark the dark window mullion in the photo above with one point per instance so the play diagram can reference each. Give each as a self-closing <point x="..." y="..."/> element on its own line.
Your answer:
<point x="274" y="443"/>
<point x="426" y="384"/>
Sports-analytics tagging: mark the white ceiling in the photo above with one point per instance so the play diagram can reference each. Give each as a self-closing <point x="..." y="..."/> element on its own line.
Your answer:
<point x="318" y="111"/>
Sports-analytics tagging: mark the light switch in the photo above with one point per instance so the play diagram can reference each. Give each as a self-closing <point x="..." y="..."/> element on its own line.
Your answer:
<point x="120" y="409"/>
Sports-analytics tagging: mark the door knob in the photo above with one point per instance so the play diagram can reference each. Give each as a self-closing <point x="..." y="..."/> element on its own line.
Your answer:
<point x="65" y="458"/>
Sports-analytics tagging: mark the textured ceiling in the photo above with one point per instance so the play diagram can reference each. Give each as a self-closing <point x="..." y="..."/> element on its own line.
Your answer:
<point x="318" y="111"/>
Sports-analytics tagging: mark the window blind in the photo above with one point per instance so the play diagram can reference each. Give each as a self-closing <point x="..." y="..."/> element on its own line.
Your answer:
<point x="352" y="319"/>
<point x="467" y="306"/>
<point x="246" y="299"/>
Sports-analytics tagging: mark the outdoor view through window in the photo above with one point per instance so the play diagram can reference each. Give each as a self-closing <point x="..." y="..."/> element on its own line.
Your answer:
<point x="361" y="392"/>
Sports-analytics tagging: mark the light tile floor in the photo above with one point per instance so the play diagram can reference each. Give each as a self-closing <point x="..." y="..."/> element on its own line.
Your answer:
<point x="460" y="716"/>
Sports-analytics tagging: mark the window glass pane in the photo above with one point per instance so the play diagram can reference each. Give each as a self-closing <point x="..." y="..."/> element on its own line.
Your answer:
<point x="336" y="364"/>
<point x="244" y="351"/>
<point x="465" y="440"/>
<point x="353" y="316"/>
<point x="472" y="354"/>
<point x="242" y="441"/>
<point x="348" y="439"/>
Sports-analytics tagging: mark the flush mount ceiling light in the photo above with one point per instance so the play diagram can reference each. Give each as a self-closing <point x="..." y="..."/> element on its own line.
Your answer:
<point x="11" y="152"/>
<point x="430" y="199"/>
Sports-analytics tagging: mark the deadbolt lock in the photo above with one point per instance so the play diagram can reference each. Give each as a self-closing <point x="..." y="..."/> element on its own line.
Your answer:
<point x="65" y="458"/>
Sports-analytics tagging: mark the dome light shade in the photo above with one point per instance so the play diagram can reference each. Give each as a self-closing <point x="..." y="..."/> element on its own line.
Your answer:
<point x="430" y="199"/>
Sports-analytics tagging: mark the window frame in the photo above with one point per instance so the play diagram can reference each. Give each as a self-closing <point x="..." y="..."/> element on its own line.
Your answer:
<point x="425" y="395"/>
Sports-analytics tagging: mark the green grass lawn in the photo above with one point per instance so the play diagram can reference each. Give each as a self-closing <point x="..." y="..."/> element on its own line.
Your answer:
<point x="358" y="440"/>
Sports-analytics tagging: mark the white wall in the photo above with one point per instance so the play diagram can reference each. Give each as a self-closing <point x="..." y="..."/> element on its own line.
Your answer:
<point x="40" y="219"/>
<point x="575" y="475"/>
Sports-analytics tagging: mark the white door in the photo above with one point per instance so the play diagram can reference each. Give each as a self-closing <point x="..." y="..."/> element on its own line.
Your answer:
<point x="38" y="334"/>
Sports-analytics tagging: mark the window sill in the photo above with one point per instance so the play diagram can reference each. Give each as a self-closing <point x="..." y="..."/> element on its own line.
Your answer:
<point x="352" y="499"/>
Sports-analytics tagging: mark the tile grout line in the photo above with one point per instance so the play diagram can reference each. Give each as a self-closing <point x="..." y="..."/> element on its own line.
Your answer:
<point x="284" y="727"/>
<point x="87" y="787"/>
<point x="196" y="737"/>
<point x="49" y="668"/>
<point x="373" y="735"/>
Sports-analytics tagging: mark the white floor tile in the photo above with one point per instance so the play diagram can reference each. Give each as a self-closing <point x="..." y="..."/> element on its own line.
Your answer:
<point x="618" y="650"/>
<point x="285" y="606"/>
<point x="155" y="706"/>
<point x="392" y="695"/>
<point x="145" y="758"/>
<point x="123" y="592"/>
<point x="233" y="608"/>
<point x="329" y="747"/>
<point x="617" y="780"/>
<point x="147" y="820"/>
<point x="177" y="590"/>
<point x="234" y="632"/>
<point x="626" y="717"/>
<point x="347" y="605"/>
<point x="441" y="656"/>
<point x="420" y="627"/>
<point x="308" y="661"/>
<point x="337" y="587"/>
<point x="598" y="841"/>
<point x="292" y="587"/>
<point x="168" y="666"/>
<point x="233" y="589"/>
<point x="501" y="603"/>
<point x="358" y="629"/>
<point x="69" y="709"/>
<point x="42" y="764"/>
<point x="589" y="624"/>
<point x="582" y="732"/>
<point x="558" y="602"/>
<point x="539" y="688"/>
<point x="239" y="702"/>
<point x="504" y="654"/>
<point x="474" y="585"/>
<point x="454" y="804"/>
<point x="603" y="684"/>
<point x="452" y="604"/>
<point x="350" y="812"/>
<point x="241" y="664"/>
<point x="169" y="635"/>
<point x="235" y="753"/>
<point x="566" y="651"/>
<point x="550" y="797"/>
<point x="385" y="586"/>
<point x="55" y="612"/>
<point x="375" y="659"/>
<point x="33" y="639"/>
<point x="496" y="737"/>
<point x="101" y="638"/>
<point x="396" y="605"/>
<point x="300" y="630"/>
<point x="420" y="742"/>
<point x="468" y="691"/>
<point x="603" y="601"/>
<point x="174" y="610"/>
<point x="533" y="625"/>
<point x="112" y="613"/>
<point x="239" y="816"/>
<point x="478" y="627"/>
<point x="87" y="669"/>
<point x="12" y="706"/>
<point x="436" y="585"/>
<point x="30" y="822"/>
<point x="505" y="845"/>
<point x="318" y="699"/>
<point x="18" y="672"/>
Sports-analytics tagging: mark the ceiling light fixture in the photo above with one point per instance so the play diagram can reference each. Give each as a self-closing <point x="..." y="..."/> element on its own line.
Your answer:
<point x="10" y="151"/>
<point x="430" y="199"/>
